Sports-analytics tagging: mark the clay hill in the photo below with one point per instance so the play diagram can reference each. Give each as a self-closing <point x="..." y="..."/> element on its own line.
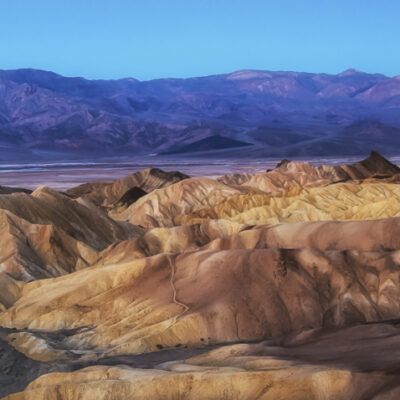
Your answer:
<point x="291" y="192"/>
<point x="280" y="285"/>
<point x="243" y="114"/>
<point x="125" y="191"/>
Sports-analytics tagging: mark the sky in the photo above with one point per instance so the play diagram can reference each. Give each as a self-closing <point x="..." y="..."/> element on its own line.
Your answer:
<point x="149" y="39"/>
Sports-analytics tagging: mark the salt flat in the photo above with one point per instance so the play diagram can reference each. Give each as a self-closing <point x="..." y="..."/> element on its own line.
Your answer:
<point x="64" y="174"/>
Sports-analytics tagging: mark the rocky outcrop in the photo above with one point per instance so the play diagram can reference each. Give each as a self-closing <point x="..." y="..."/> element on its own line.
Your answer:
<point x="292" y="192"/>
<point x="47" y="234"/>
<point x="289" y="174"/>
<point x="228" y="291"/>
<point x="159" y="208"/>
<point x="199" y="199"/>
<point x="109" y="194"/>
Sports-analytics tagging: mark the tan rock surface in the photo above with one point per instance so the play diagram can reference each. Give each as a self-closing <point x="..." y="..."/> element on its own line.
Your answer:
<point x="204" y="296"/>
<point x="177" y="239"/>
<point x="77" y="218"/>
<point x="221" y="234"/>
<point x="292" y="192"/>
<point x="160" y="207"/>
<point x="107" y="194"/>
<point x="315" y="365"/>
<point x="289" y="174"/>
<point x="342" y="201"/>
<point x="224" y="296"/>
<point x="47" y="234"/>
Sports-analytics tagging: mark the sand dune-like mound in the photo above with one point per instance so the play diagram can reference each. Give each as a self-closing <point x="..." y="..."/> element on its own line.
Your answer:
<point x="292" y="192"/>
<point x="313" y="366"/>
<point x="290" y="174"/>
<point x="342" y="201"/>
<point x="221" y="234"/>
<point x="79" y="219"/>
<point x="203" y="296"/>
<point x="176" y="239"/>
<point x="158" y="209"/>
<point x="108" y="194"/>
<point x="374" y="235"/>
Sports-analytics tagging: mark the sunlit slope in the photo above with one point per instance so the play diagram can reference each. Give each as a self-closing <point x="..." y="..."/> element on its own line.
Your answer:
<point x="239" y="287"/>
<point x="347" y="201"/>
<point x="161" y="206"/>
<point x="198" y="199"/>
<point x="293" y="191"/>
<point x="372" y="235"/>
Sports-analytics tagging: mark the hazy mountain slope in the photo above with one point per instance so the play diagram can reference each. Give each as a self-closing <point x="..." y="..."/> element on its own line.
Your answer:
<point x="279" y="113"/>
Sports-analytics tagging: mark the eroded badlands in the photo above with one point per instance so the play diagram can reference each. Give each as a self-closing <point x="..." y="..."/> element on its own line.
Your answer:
<point x="280" y="285"/>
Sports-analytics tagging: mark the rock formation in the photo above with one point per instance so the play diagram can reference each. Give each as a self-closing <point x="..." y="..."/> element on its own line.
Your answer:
<point x="283" y="285"/>
<point x="313" y="365"/>
<point x="47" y="234"/>
<point x="108" y="194"/>
<point x="292" y="192"/>
<point x="288" y="174"/>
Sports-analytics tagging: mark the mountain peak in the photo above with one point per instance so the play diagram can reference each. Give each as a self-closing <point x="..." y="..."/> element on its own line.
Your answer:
<point x="379" y="164"/>
<point x="248" y="74"/>
<point x="350" y="71"/>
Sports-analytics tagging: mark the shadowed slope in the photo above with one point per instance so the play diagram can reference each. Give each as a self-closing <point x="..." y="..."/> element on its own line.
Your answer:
<point x="161" y="206"/>
<point x="107" y="194"/>
<point x="9" y="190"/>
<point x="312" y="366"/>
<point x="48" y="234"/>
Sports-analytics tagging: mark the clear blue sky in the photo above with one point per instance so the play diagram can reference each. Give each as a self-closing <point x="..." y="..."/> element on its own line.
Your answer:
<point x="149" y="39"/>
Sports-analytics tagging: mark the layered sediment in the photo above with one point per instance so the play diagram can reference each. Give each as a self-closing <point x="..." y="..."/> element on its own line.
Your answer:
<point x="274" y="286"/>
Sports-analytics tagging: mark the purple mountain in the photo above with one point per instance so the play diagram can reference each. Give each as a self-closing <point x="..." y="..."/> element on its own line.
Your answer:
<point x="245" y="113"/>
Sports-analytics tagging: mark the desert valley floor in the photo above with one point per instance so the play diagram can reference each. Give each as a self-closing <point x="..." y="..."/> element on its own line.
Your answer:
<point x="268" y="285"/>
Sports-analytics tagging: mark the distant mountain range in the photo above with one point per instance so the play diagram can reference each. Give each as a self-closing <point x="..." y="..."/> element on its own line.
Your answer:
<point x="242" y="114"/>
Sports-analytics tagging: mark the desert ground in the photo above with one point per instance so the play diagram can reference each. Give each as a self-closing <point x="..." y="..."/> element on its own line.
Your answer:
<point x="258" y="280"/>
